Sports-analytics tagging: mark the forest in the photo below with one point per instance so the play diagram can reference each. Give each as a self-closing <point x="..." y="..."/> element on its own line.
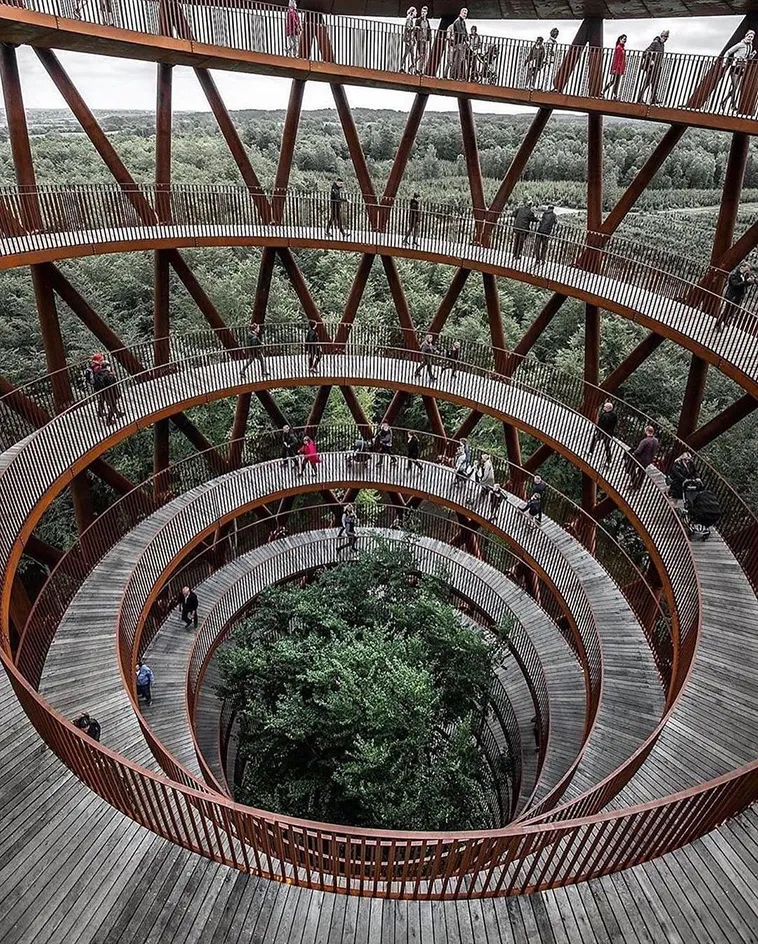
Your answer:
<point x="679" y="212"/>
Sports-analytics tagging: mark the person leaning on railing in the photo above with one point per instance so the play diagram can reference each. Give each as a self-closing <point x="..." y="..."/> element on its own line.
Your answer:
<point x="523" y="218"/>
<point x="734" y="294"/>
<point x="545" y="229"/>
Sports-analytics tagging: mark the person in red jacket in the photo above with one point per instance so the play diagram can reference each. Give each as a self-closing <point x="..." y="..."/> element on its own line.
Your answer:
<point x="618" y="67"/>
<point x="308" y="455"/>
<point x="292" y="28"/>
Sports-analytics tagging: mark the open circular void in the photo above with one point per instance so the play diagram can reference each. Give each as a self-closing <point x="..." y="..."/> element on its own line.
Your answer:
<point x="379" y="534"/>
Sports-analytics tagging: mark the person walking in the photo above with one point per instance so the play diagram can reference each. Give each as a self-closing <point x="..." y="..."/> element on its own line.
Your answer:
<point x="533" y="507"/>
<point x="738" y="57"/>
<point x="734" y="294"/>
<point x="91" y="726"/>
<point x="109" y="388"/>
<point x="92" y="381"/>
<point x="292" y="28"/>
<point x="414" y="218"/>
<point x="523" y="218"/>
<point x="347" y="512"/>
<point x="409" y="41"/>
<point x="535" y="61"/>
<point x="255" y="350"/>
<point x="604" y="429"/>
<point x="189" y="607"/>
<point x="651" y="68"/>
<point x="485" y="474"/>
<point x="473" y="56"/>
<point x="336" y="201"/>
<point x="414" y="452"/>
<point x="289" y="447"/>
<point x="550" y="43"/>
<point x="618" y="68"/>
<point x="645" y="453"/>
<point x="427" y="353"/>
<point x="351" y="535"/>
<point x="308" y="454"/>
<point x="383" y="444"/>
<point x="545" y="229"/>
<point x="539" y="487"/>
<point x="462" y="463"/>
<point x="459" y="33"/>
<point x="497" y="496"/>
<point x="452" y="359"/>
<point x="682" y="469"/>
<point x="423" y="38"/>
<point x="312" y="347"/>
<point x="145" y="683"/>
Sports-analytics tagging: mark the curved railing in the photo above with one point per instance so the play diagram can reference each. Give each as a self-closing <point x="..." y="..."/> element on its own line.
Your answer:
<point x="669" y="294"/>
<point x="30" y="406"/>
<point x="692" y="83"/>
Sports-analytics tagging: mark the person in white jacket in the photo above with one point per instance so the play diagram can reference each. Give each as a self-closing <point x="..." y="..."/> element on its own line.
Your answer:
<point x="738" y="55"/>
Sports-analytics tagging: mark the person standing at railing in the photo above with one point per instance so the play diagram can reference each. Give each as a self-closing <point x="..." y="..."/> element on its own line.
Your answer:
<point x="497" y="495"/>
<point x="348" y="512"/>
<point x="618" y="68"/>
<point x="545" y="229"/>
<point x="550" y="43"/>
<point x="423" y="39"/>
<point x="289" y="447"/>
<point x="533" y="507"/>
<point x="734" y="294"/>
<point x="409" y="41"/>
<point x="383" y="444"/>
<point x="414" y="452"/>
<point x="651" y="68"/>
<point x="92" y="380"/>
<point x="535" y="60"/>
<point x="604" y="429"/>
<point x="414" y="219"/>
<point x="336" y="201"/>
<point x="292" y="28"/>
<point x="473" y="55"/>
<point x="255" y="350"/>
<point x="644" y="454"/>
<point x="427" y="353"/>
<point x="452" y="359"/>
<point x="459" y="34"/>
<point x="485" y="474"/>
<point x="462" y="463"/>
<point x="351" y="534"/>
<point x="145" y="683"/>
<point x="523" y="218"/>
<point x="312" y="347"/>
<point x="738" y="57"/>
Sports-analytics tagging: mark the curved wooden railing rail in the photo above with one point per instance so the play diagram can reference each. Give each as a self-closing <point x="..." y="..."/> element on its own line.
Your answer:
<point x="295" y="852"/>
<point x="27" y="408"/>
<point x="359" y="48"/>
<point x="671" y="295"/>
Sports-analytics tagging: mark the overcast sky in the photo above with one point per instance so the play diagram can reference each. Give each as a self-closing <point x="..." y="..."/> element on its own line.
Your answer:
<point x="127" y="84"/>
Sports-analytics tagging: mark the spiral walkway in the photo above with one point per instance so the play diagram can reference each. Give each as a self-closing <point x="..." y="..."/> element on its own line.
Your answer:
<point x="623" y="719"/>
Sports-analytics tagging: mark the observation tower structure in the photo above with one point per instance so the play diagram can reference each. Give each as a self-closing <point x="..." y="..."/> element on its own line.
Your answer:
<point x="634" y="662"/>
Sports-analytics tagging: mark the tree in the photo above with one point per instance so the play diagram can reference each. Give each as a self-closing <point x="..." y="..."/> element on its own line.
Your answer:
<point x="359" y="699"/>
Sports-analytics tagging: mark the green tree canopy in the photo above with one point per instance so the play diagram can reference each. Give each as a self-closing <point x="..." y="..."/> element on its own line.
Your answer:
<point x="359" y="697"/>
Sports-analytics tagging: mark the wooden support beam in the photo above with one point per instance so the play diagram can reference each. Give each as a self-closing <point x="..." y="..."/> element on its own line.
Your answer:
<point x="18" y="134"/>
<point x="354" y="298"/>
<point x="357" y="157"/>
<point x="289" y="137"/>
<point x="693" y="397"/>
<point x="632" y="361"/>
<point x="161" y="312"/>
<point x="722" y="422"/>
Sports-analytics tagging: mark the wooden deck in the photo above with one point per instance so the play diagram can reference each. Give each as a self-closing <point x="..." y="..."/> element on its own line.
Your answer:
<point x="73" y="869"/>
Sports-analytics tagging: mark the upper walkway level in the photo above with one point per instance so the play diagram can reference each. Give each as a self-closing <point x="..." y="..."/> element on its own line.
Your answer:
<point x="242" y="36"/>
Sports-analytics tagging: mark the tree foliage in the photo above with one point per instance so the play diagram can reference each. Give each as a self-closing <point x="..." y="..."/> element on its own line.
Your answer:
<point x="359" y="697"/>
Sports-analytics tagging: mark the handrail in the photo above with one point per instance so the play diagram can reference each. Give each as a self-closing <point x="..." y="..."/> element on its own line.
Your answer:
<point x="20" y="410"/>
<point x="693" y="83"/>
<point x="672" y="295"/>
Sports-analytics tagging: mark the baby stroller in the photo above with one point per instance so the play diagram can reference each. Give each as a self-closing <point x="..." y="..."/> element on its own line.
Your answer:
<point x="361" y="454"/>
<point x="701" y="509"/>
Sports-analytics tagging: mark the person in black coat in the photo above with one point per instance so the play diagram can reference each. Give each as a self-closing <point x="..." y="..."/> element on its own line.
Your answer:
<point x="290" y="446"/>
<point x="255" y="350"/>
<point x="545" y="228"/>
<point x="734" y="295"/>
<point x="312" y="347"/>
<point x="189" y="607"/>
<point x="414" y="218"/>
<point x="336" y="200"/>
<point x="88" y="724"/>
<point x="534" y="508"/>
<point x="604" y="430"/>
<point x="523" y="218"/>
<point x="383" y="444"/>
<point x="651" y="68"/>
<point x="414" y="451"/>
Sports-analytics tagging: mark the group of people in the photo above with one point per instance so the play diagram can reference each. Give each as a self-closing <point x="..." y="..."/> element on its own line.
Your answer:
<point x="638" y="459"/>
<point x="100" y="379"/>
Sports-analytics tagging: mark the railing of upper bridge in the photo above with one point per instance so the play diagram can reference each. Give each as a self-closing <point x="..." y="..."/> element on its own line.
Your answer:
<point x="677" y="293"/>
<point x="27" y="408"/>
<point x="711" y="84"/>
